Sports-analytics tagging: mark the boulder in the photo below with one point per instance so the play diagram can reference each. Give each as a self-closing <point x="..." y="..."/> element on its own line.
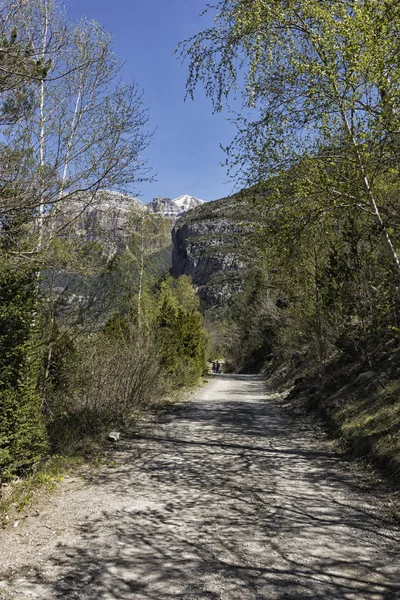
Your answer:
<point x="363" y="378"/>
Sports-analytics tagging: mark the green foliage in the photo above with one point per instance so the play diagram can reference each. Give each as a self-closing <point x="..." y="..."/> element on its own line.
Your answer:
<point x="321" y="283"/>
<point x="68" y="125"/>
<point x="323" y="84"/>
<point x="248" y="332"/>
<point x="23" y="438"/>
<point x="20" y="73"/>
<point x="180" y="334"/>
<point x="104" y="378"/>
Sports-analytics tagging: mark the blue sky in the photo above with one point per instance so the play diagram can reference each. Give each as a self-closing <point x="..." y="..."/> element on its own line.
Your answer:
<point x="185" y="150"/>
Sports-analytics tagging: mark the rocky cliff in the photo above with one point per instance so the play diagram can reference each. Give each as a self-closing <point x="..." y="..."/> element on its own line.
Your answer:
<point x="102" y="217"/>
<point x="174" y="208"/>
<point x="208" y="238"/>
<point x="209" y="246"/>
<point x="105" y="215"/>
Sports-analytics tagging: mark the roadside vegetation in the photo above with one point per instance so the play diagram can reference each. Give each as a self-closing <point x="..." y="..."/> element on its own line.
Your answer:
<point x="91" y="334"/>
<point x="318" y="151"/>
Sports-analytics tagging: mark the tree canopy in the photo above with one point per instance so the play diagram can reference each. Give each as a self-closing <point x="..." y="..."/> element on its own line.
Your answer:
<point x="317" y="79"/>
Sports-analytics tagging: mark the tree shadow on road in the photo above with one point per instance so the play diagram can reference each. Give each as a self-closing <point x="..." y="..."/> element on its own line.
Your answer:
<point x="229" y="500"/>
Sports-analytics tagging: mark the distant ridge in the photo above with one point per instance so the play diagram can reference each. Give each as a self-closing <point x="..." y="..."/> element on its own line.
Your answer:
<point x="104" y="215"/>
<point x="176" y="207"/>
<point x="185" y="202"/>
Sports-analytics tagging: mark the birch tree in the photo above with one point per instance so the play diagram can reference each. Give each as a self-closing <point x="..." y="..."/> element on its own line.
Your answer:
<point x="84" y="130"/>
<point x="69" y="127"/>
<point x="309" y="73"/>
<point x="149" y="236"/>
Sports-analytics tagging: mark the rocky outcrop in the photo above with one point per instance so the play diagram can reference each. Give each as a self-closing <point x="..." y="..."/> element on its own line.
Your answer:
<point x="102" y="217"/>
<point x="208" y="245"/>
<point x="164" y="206"/>
<point x="173" y="209"/>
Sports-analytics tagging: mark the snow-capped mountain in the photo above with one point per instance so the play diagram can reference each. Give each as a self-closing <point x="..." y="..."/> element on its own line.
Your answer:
<point x="176" y="207"/>
<point x="104" y="215"/>
<point x="106" y="200"/>
<point x="185" y="202"/>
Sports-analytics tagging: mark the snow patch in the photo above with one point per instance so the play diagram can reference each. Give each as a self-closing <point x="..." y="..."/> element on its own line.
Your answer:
<point x="186" y="202"/>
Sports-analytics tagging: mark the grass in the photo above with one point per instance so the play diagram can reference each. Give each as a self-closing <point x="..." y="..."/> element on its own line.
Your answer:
<point x="364" y="418"/>
<point x="370" y="423"/>
<point x="20" y="494"/>
<point x="17" y="496"/>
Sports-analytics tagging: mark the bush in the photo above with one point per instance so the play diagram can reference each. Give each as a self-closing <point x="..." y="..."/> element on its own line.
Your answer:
<point x="119" y="372"/>
<point x="181" y="337"/>
<point x="23" y="439"/>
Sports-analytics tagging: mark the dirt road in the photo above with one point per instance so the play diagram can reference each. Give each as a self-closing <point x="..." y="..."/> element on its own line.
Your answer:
<point x="225" y="499"/>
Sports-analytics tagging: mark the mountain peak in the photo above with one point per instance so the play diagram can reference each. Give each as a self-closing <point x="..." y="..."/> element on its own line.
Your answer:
<point x="176" y="207"/>
<point x="187" y="202"/>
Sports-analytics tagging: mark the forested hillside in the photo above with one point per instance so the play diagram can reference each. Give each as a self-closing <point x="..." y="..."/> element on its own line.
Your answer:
<point x="317" y="146"/>
<point x="92" y="328"/>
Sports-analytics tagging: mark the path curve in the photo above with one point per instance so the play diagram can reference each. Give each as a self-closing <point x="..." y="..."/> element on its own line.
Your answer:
<point x="227" y="498"/>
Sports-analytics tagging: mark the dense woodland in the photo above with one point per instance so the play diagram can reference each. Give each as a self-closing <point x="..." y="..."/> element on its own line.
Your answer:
<point x="317" y="152"/>
<point x="315" y="87"/>
<point x="89" y="333"/>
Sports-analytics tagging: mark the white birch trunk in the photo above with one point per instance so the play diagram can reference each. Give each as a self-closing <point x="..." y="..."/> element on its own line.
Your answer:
<point x="42" y="130"/>
<point x="370" y="195"/>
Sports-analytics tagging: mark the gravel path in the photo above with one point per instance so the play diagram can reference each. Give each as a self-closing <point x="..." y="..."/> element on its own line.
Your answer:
<point x="225" y="499"/>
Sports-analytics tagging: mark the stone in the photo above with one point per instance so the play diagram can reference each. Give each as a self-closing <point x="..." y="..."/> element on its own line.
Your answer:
<point x="364" y="377"/>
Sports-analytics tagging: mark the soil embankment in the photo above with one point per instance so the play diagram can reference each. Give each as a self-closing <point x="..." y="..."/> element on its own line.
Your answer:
<point x="358" y="404"/>
<point x="227" y="498"/>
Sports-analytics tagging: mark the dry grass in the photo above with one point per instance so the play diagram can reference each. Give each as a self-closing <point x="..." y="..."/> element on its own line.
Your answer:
<point x="370" y="423"/>
<point x="17" y="496"/>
